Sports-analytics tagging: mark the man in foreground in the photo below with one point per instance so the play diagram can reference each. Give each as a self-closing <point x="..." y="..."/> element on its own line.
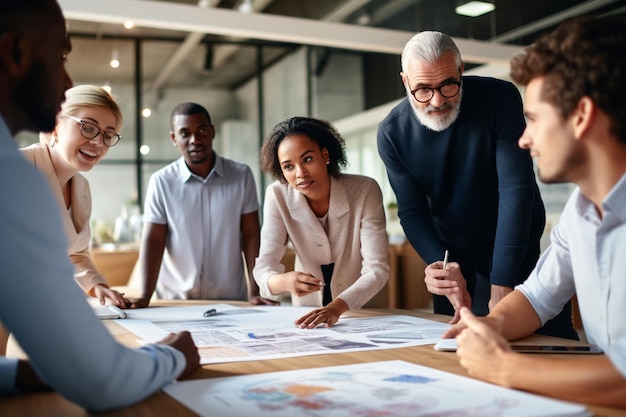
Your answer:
<point x="576" y="131"/>
<point x="68" y="348"/>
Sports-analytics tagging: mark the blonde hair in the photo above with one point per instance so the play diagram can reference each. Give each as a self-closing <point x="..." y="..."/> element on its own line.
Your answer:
<point x="87" y="96"/>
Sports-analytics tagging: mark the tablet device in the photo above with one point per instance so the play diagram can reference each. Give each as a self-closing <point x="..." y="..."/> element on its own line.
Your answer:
<point x="556" y="349"/>
<point x="449" y="345"/>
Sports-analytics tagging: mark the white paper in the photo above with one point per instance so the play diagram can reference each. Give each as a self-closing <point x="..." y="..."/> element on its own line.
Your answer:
<point x="447" y="345"/>
<point x="389" y="389"/>
<point x="269" y="332"/>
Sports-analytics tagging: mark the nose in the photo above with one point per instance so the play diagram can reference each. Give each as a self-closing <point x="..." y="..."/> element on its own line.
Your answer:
<point x="437" y="100"/>
<point x="195" y="138"/>
<point x="98" y="140"/>
<point x="524" y="140"/>
<point x="301" y="172"/>
<point x="68" y="83"/>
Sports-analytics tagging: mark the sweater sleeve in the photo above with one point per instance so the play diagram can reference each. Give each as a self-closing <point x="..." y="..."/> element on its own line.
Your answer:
<point x="517" y="190"/>
<point x="413" y="207"/>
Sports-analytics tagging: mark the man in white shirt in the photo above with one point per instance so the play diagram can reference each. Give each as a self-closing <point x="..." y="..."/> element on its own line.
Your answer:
<point x="69" y="350"/>
<point x="576" y="131"/>
<point x="200" y="214"/>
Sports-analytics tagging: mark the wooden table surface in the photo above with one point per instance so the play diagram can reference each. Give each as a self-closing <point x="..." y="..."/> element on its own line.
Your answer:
<point x="160" y="404"/>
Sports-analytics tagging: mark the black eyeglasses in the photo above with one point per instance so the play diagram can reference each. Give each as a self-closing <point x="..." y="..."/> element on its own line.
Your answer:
<point x="448" y="90"/>
<point x="90" y="130"/>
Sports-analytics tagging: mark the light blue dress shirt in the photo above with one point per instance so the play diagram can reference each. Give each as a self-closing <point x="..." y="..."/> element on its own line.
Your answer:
<point x="203" y="251"/>
<point x="47" y="312"/>
<point x="587" y="256"/>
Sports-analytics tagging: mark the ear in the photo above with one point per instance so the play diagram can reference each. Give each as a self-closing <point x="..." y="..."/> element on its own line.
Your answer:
<point x="173" y="138"/>
<point x="404" y="80"/>
<point x="13" y="53"/>
<point x="212" y="132"/>
<point x="462" y="68"/>
<point x="325" y="154"/>
<point x="583" y="117"/>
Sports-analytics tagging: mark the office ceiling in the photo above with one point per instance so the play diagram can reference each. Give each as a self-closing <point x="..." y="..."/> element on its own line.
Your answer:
<point x="174" y="56"/>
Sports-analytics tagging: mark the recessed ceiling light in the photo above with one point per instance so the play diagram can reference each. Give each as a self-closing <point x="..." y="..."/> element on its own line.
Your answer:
<point x="115" y="59"/>
<point x="474" y="8"/>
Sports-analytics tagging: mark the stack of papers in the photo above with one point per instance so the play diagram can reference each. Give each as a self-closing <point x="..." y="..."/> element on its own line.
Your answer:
<point x="244" y="334"/>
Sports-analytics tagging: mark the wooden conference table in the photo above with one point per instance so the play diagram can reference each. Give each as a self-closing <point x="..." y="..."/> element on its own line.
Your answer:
<point x="160" y="404"/>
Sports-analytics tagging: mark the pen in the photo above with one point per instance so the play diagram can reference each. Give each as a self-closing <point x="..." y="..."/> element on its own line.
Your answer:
<point x="210" y="312"/>
<point x="120" y="313"/>
<point x="445" y="259"/>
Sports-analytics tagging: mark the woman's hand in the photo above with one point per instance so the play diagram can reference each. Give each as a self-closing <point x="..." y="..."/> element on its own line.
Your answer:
<point x="104" y="293"/>
<point x="297" y="283"/>
<point x="328" y="315"/>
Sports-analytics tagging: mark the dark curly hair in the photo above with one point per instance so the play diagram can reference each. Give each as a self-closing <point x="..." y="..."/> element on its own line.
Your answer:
<point x="583" y="57"/>
<point x="319" y="131"/>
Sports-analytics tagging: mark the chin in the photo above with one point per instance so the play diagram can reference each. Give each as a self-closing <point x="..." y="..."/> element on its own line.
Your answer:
<point x="435" y="122"/>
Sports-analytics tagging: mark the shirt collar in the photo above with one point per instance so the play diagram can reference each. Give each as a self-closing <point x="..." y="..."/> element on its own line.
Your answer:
<point x="614" y="203"/>
<point x="185" y="174"/>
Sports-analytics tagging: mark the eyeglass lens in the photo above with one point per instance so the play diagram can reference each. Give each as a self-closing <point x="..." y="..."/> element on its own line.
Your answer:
<point x="90" y="131"/>
<point x="446" y="90"/>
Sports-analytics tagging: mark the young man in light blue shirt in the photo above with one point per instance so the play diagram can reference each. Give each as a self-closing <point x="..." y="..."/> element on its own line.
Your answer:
<point x="576" y="131"/>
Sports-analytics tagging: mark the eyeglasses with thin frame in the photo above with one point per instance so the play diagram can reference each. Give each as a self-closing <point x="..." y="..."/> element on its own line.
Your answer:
<point x="90" y="130"/>
<point x="448" y="89"/>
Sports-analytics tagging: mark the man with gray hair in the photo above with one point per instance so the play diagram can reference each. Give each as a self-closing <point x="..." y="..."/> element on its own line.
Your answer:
<point x="463" y="185"/>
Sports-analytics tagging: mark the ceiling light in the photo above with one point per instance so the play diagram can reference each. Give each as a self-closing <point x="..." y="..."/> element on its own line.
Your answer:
<point x="474" y="8"/>
<point x="245" y="6"/>
<point x="129" y="24"/>
<point x="147" y="112"/>
<point x="115" y="59"/>
<point x="144" y="149"/>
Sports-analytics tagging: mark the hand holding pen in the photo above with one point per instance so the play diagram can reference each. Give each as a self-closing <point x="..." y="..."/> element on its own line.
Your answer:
<point x="445" y="278"/>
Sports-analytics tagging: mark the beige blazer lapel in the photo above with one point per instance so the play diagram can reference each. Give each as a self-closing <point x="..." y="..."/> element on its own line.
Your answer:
<point x="40" y="157"/>
<point x="318" y="242"/>
<point x="339" y="208"/>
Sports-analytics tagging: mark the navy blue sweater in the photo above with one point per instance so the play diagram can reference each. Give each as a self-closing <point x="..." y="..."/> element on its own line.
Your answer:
<point x="469" y="188"/>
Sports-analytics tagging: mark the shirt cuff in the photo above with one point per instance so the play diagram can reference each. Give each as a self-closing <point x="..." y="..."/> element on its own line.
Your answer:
<point x="8" y="372"/>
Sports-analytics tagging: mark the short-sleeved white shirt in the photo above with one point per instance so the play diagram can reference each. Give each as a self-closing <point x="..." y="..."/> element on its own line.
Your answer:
<point x="203" y="250"/>
<point x="587" y="256"/>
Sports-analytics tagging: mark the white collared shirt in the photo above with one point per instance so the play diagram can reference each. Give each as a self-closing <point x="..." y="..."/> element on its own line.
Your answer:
<point x="587" y="256"/>
<point x="203" y="251"/>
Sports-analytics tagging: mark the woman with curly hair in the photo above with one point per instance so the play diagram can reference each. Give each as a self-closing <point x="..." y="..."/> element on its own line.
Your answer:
<point x="335" y="223"/>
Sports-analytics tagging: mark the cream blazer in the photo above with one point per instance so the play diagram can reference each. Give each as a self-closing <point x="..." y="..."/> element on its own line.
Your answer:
<point x="356" y="241"/>
<point x="75" y="220"/>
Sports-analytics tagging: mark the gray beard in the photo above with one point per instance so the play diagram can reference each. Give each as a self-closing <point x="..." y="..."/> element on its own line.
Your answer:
<point x="437" y="123"/>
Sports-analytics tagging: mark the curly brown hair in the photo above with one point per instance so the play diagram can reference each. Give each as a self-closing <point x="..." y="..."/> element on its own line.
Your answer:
<point x="317" y="130"/>
<point x="583" y="57"/>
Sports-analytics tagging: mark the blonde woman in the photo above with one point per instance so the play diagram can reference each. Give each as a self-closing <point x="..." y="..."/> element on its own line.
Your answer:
<point x="85" y="129"/>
